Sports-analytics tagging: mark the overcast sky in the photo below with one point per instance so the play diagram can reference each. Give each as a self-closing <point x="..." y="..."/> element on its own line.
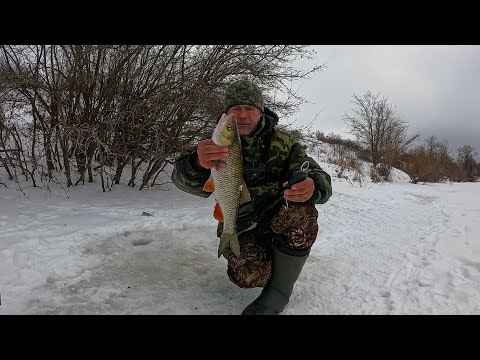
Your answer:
<point x="436" y="88"/>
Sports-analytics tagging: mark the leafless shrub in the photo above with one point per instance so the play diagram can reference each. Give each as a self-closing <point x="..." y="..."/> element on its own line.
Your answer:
<point x="81" y="109"/>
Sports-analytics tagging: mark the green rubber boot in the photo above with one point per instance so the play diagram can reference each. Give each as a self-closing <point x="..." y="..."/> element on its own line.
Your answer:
<point x="276" y="294"/>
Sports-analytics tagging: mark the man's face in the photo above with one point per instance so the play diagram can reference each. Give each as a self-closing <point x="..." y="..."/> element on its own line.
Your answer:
<point x="247" y="116"/>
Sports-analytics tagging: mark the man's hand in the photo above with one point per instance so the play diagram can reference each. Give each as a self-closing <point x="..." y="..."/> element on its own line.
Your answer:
<point x="299" y="192"/>
<point x="211" y="155"/>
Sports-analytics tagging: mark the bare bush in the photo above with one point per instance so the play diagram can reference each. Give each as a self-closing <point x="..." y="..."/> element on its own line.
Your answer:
<point x="337" y="139"/>
<point x="422" y="166"/>
<point x="86" y="109"/>
<point x="431" y="162"/>
<point x="347" y="160"/>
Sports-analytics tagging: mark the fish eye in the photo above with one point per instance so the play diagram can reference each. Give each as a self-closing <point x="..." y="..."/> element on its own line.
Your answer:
<point x="229" y="127"/>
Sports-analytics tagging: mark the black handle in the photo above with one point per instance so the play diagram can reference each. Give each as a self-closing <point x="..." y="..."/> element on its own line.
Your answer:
<point x="296" y="177"/>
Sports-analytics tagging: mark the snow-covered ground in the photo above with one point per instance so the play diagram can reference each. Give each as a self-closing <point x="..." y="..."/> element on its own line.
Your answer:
<point x="393" y="248"/>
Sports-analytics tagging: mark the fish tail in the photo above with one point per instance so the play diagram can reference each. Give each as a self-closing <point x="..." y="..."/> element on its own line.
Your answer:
<point x="229" y="239"/>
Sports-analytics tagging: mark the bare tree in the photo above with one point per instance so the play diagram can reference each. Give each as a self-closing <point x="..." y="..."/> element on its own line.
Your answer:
<point x="466" y="160"/>
<point x="377" y="127"/>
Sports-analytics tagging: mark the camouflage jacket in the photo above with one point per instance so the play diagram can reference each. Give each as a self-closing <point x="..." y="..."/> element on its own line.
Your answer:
<point x="285" y="156"/>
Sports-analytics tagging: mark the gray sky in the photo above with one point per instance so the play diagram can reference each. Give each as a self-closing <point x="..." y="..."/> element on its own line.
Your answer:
<point x="436" y="88"/>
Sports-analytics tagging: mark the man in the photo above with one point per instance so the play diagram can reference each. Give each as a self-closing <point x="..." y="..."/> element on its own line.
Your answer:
<point x="275" y="239"/>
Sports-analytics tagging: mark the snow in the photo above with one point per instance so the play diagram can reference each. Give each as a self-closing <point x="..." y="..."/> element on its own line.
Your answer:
<point x="385" y="248"/>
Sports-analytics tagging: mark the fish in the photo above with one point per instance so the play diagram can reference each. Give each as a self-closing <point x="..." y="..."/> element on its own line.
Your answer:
<point x="228" y="184"/>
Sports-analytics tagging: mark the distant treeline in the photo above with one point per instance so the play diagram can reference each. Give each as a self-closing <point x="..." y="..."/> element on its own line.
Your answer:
<point x="429" y="162"/>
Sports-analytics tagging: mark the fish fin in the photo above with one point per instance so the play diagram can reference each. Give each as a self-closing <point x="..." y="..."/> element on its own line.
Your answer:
<point x="244" y="193"/>
<point x="209" y="185"/>
<point x="217" y="212"/>
<point x="229" y="239"/>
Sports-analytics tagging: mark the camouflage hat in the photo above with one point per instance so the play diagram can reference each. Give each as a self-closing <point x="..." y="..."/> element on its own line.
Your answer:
<point x="244" y="92"/>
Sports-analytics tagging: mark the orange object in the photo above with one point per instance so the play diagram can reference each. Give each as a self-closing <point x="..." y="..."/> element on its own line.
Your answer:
<point x="217" y="213"/>
<point x="209" y="185"/>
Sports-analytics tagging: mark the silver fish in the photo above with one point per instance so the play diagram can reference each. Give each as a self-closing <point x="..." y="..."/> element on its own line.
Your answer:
<point x="228" y="184"/>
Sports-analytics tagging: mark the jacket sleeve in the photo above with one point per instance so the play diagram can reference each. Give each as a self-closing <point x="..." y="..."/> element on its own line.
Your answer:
<point x="322" y="180"/>
<point x="186" y="177"/>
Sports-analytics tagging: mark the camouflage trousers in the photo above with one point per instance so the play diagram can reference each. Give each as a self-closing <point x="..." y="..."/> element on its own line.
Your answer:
<point x="297" y="225"/>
